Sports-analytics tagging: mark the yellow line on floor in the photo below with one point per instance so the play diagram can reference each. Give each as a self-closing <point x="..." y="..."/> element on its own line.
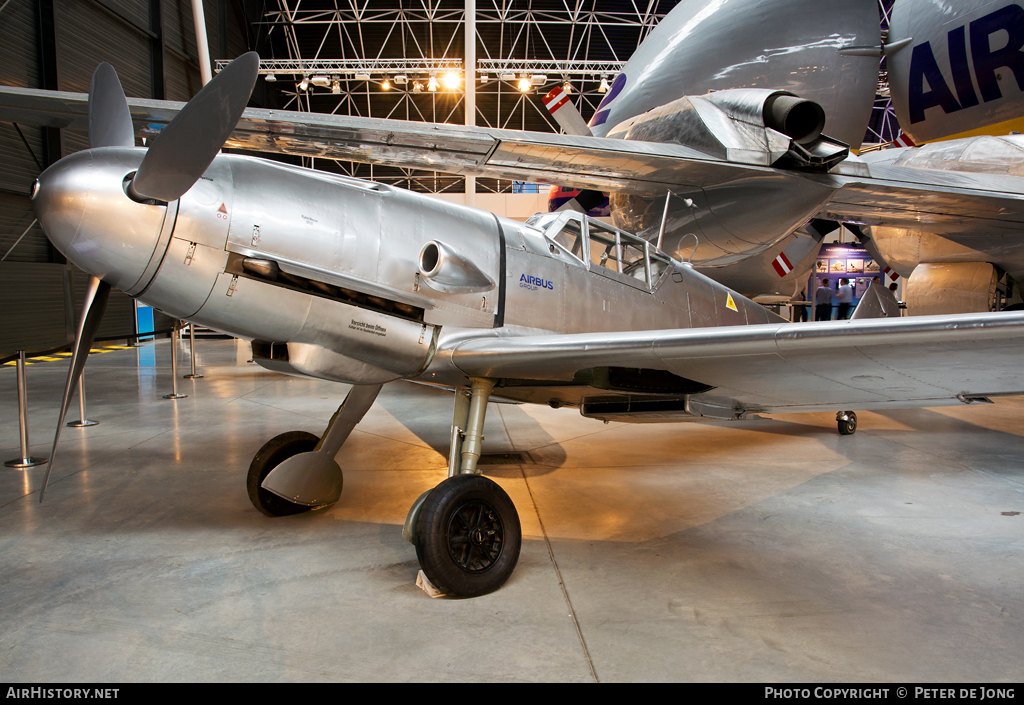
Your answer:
<point x="65" y="355"/>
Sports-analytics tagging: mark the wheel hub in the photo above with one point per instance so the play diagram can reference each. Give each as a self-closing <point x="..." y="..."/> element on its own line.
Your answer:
<point x="474" y="536"/>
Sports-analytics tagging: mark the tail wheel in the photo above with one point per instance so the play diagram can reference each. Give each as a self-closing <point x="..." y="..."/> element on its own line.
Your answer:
<point x="273" y="453"/>
<point x="468" y="536"/>
<point x="848" y="425"/>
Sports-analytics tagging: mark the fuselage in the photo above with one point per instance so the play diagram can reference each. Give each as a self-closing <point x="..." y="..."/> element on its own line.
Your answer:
<point x="328" y="275"/>
<point x="961" y="72"/>
<point x="956" y="76"/>
<point x="792" y="45"/>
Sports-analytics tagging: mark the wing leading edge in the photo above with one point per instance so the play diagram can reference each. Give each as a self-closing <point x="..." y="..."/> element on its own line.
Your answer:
<point x="777" y="368"/>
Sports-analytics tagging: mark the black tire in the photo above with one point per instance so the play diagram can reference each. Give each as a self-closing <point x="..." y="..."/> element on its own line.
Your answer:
<point x="468" y="536"/>
<point x="273" y="453"/>
<point x="848" y="427"/>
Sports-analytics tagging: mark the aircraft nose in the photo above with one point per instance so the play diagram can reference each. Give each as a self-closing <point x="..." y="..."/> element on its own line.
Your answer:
<point x="58" y="198"/>
<point x="84" y="210"/>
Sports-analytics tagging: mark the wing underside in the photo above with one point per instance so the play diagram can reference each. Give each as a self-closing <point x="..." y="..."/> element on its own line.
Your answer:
<point x="777" y="368"/>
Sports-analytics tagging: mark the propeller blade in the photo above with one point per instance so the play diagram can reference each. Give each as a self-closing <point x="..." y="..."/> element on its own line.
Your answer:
<point x="110" y="121"/>
<point x="96" y="295"/>
<point x="185" y="148"/>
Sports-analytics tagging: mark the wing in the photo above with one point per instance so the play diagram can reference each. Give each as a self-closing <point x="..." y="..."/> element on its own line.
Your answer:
<point x="965" y="204"/>
<point x="943" y="201"/>
<point x="584" y="162"/>
<point x="842" y="365"/>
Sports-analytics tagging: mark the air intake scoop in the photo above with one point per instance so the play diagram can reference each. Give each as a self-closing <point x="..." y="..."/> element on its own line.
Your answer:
<point x="445" y="269"/>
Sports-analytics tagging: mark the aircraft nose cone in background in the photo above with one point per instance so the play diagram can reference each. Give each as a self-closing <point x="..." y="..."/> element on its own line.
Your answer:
<point x="84" y="210"/>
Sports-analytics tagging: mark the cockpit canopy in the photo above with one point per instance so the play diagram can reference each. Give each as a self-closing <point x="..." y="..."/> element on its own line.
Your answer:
<point x="603" y="248"/>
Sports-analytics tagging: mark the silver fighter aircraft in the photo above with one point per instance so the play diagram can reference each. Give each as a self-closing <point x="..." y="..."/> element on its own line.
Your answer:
<point x="358" y="282"/>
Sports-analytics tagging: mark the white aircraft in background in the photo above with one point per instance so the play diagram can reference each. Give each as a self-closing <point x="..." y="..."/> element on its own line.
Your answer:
<point x="957" y="83"/>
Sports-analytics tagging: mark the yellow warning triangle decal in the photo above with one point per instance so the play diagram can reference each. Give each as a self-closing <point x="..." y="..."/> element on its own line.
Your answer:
<point x="729" y="303"/>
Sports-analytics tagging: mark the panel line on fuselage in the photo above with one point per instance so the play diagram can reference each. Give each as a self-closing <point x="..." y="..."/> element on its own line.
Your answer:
<point x="499" y="312"/>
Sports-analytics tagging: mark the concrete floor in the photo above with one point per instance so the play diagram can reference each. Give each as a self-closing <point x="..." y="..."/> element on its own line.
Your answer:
<point x="765" y="551"/>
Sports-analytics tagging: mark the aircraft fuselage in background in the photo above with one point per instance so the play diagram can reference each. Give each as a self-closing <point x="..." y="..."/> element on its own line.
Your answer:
<point x="793" y="46"/>
<point x="962" y="72"/>
<point x="957" y="82"/>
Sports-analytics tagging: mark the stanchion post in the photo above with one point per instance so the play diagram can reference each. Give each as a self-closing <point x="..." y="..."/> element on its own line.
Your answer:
<point x="25" y="461"/>
<point x="192" y="350"/>
<point x="82" y="421"/>
<point x="134" y="342"/>
<point x="174" y="365"/>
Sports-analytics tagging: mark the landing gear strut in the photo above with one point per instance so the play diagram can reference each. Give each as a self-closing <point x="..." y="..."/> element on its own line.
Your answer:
<point x="847" y="421"/>
<point x="466" y="530"/>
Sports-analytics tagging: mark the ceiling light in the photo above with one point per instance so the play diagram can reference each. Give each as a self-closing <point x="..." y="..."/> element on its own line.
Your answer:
<point x="603" y="88"/>
<point x="432" y="83"/>
<point x="417" y="87"/>
<point x="362" y="76"/>
<point x="270" y="77"/>
<point x="567" y="87"/>
<point x="538" y="79"/>
<point x="320" y="80"/>
<point x="451" y="80"/>
<point x="508" y="77"/>
<point x="484" y="78"/>
<point x="335" y="86"/>
<point x="385" y="86"/>
<point x="304" y="84"/>
<point x="524" y="84"/>
<point x="401" y="79"/>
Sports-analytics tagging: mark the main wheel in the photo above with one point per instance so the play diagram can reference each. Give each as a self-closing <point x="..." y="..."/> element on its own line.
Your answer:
<point x="273" y="453"/>
<point x="468" y="536"/>
<point x="847" y="427"/>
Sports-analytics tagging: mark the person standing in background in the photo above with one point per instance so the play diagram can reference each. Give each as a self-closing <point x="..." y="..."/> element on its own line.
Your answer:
<point x="800" y="307"/>
<point x="844" y="295"/>
<point x="823" y="302"/>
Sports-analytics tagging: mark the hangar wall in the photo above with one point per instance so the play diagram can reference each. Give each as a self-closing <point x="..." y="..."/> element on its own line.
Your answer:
<point x="56" y="44"/>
